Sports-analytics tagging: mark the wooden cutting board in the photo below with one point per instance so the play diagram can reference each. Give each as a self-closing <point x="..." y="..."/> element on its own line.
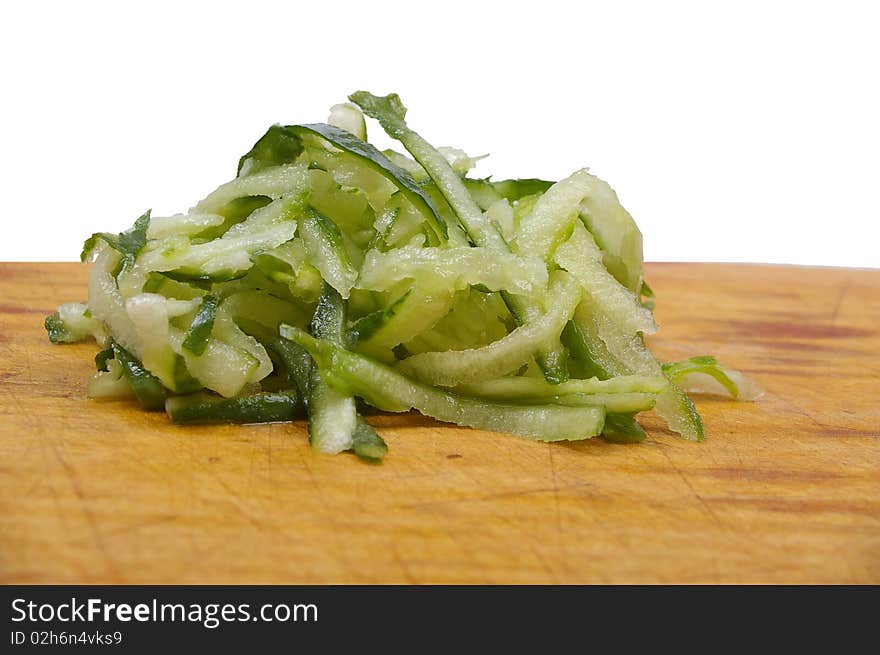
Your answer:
<point x="784" y="490"/>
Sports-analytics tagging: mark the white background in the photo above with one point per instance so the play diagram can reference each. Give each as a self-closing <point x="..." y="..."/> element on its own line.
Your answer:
<point x="733" y="132"/>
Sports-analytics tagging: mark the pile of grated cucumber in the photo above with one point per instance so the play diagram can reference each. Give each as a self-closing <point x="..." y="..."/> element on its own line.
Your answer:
<point x="330" y="279"/>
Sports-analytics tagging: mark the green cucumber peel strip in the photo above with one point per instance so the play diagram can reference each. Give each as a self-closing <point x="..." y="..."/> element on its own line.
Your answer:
<point x="513" y="190"/>
<point x="146" y="386"/>
<point x="588" y="357"/>
<point x="203" y="408"/>
<point x="59" y="332"/>
<point x="201" y="280"/>
<point x="128" y="243"/>
<point x="387" y="389"/>
<point x="622" y="428"/>
<point x="705" y="364"/>
<point x="332" y="413"/>
<point x="103" y="357"/>
<point x="183" y="380"/>
<point x="648" y="299"/>
<point x="737" y="385"/>
<point x="109" y="384"/>
<point x="365" y="327"/>
<point x="366" y="442"/>
<point x="378" y="162"/>
<point x="196" y="339"/>
<point x="330" y="315"/>
<point x="165" y="284"/>
<point x="297" y="361"/>
<point x="324" y="244"/>
<point x="279" y="145"/>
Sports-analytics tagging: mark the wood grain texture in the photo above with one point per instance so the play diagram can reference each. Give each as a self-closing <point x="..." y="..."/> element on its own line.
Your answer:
<point x="784" y="490"/>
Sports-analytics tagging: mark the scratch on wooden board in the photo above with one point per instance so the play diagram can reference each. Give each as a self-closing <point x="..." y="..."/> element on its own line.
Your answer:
<point x="709" y="511"/>
<point x="495" y="496"/>
<point x="545" y="564"/>
<point x="401" y="562"/>
<point x="800" y="411"/>
<point x="315" y="486"/>
<point x="790" y="505"/>
<point x="97" y="537"/>
<point x="843" y="290"/>
<point x="140" y="524"/>
<point x="845" y="433"/>
<point x="769" y="330"/>
<point x="35" y="431"/>
<point x="560" y="542"/>
<point x="542" y="560"/>
<point x="231" y="496"/>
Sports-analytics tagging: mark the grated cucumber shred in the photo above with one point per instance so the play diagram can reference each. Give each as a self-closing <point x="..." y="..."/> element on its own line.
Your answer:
<point x="330" y="279"/>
